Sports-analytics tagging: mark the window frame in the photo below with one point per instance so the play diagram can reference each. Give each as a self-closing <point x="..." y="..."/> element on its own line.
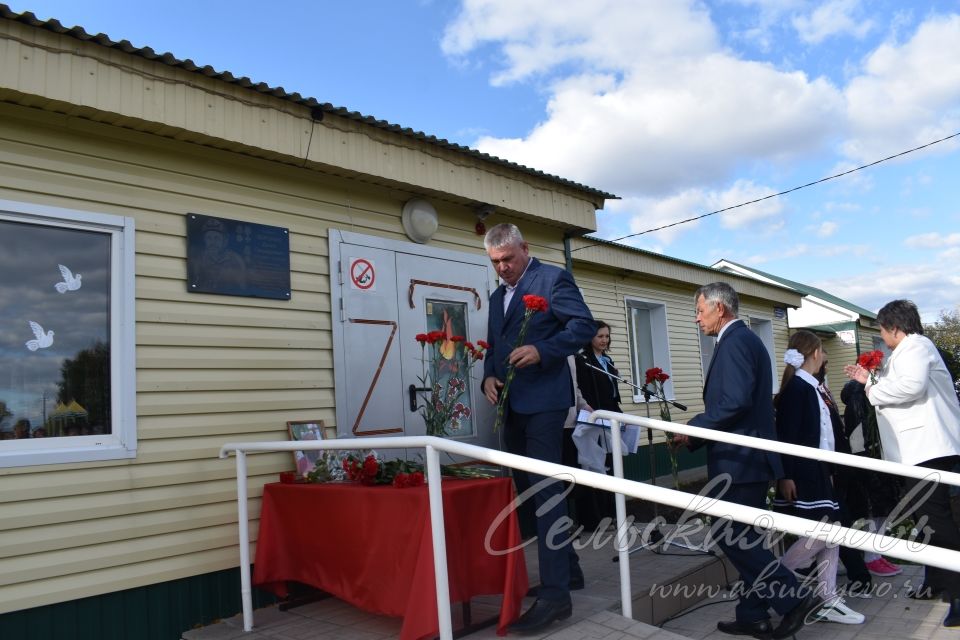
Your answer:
<point x="768" y="340"/>
<point x="121" y="442"/>
<point x="660" y="341"/>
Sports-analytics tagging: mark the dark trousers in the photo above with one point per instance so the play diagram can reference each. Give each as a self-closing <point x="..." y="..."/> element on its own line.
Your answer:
<point x="852" y="558"/>
<point x="940" y="525"/>
<point x="540" y="436"/>
<point x="743" y="546"/>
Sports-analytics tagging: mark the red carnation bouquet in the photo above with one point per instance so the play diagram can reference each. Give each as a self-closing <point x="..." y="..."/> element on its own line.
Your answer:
<point x="657" y="376"/>
<point x="532" y="304"/>
<point x="872" y="362"/>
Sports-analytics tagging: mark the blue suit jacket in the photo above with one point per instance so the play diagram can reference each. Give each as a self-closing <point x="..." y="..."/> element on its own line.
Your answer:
<point x="562" y="330"/>
<point x="738" y="398"/>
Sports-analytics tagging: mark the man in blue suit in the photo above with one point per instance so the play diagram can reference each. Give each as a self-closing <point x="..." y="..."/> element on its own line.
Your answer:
<point x="540" y="395"/>
<point x="737" y="398"/>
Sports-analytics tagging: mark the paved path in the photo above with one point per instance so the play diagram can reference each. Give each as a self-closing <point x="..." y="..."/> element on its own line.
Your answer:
<point x="889" y="614"/>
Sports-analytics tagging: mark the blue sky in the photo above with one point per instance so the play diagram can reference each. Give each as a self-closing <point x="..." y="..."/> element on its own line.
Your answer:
<point x="680" y="108"/>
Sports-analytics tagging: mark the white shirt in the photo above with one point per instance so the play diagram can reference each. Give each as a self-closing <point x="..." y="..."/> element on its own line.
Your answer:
<point x="508" y="289"/>
<point x="723" y="329"/>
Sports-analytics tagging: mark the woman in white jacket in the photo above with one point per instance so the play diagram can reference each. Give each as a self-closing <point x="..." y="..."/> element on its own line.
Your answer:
<point x="919" y="420"/>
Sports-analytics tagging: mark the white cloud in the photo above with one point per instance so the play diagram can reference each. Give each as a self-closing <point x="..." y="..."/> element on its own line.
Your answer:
<point x="907" y="94"/>
<point x="827" y="229"/>
<point x="952" y="254"/>
<point x="930" y="285"/>
<point x="834" y="18"/>
<point x="746" y="191"/>
<point x="932" y="240"/>
<point x="643" y="100"/>
<point x="647" y="214"/>
<point x="537" y="36"/>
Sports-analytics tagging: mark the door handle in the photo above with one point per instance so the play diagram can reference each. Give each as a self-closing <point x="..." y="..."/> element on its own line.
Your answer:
<point x="413" y="389"/>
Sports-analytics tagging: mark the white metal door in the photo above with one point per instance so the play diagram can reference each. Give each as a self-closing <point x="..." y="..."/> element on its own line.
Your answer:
<point x="383" y="295"/>
<point x="446" y="295"/>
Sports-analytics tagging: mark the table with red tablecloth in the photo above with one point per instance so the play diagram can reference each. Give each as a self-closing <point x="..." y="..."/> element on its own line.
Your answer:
<point x="372" y="546"/>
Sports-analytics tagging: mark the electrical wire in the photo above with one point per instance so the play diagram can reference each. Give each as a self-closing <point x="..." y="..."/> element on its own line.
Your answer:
<point x="774" y="195"/>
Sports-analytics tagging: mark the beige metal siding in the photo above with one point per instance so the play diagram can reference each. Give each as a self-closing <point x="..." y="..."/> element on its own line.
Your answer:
<point x="60" y="73"/>
<point x="606" y="292"/>
<point x="210" y="369"/>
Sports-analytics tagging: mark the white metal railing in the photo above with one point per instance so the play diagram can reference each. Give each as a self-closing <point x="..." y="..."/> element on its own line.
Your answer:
<point x="897" y="548"/>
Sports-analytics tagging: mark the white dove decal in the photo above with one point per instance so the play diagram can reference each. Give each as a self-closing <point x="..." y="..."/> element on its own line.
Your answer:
<point x="43" y="340"/>
<point x="70" y="282"/>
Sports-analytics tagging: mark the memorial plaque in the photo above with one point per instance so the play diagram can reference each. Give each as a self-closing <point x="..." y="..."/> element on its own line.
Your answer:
<point x="236" y="258"/>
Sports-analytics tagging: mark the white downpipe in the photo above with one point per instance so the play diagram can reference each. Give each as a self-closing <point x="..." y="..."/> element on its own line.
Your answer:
<point x="623" y="547"/>
<point x="435" y="490"/>
<point x="896" y="548"/>
<point x="246" y="591"/>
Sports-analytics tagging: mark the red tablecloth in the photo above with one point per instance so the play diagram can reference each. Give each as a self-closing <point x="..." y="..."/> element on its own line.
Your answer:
<point x="371" y="546"/>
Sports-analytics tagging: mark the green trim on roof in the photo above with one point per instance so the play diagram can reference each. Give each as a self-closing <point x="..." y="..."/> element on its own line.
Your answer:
<point x="810" y="291"/>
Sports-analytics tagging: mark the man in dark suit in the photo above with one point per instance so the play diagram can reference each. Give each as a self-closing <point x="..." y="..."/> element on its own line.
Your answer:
<point x="540" y="395"/>
<point x="737" y="398"/>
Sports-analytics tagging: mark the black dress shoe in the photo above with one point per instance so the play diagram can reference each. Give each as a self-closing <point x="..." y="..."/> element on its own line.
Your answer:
<point x="575" y="584"/>
<point x="953" y="616"/>
<point x="794" y="619"/>
<point x="541" y="615"/>
<point x="759" y="629"/>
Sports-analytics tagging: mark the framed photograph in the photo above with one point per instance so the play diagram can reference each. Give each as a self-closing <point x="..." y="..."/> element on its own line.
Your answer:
<point x="304" y="461"/>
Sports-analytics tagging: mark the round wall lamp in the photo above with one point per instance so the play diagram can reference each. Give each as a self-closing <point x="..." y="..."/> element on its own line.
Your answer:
<point x="419" y="220"/>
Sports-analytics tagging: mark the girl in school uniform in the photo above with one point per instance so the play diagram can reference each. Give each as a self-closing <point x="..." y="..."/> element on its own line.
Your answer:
<point x="806" y="490"/>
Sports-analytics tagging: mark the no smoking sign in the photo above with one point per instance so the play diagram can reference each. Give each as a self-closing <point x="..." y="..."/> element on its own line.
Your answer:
<point x="362" y="274"/>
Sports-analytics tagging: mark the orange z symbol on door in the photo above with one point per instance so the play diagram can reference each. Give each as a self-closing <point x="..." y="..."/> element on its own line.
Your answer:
<point x="373" y="382"/>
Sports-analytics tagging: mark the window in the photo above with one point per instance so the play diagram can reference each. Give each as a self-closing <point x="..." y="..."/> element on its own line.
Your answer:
<point x="67" y="366"/>
<point x="649" y="346"/>
<point x="707" y="345"/>
<point x="761" y="326"/>
<point x="764" y="330"/>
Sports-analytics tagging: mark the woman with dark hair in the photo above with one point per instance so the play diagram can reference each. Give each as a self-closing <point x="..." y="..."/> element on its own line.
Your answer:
<point x="600" y="391"/>
<point x="918" y="416"/>
<point x="806" y="489"/>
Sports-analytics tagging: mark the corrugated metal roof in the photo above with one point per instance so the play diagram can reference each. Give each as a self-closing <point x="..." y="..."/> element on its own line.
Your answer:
<point x="27" y="17"/>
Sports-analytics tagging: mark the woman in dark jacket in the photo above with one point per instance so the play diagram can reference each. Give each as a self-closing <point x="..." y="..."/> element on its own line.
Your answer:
<point x="600" y="391"/>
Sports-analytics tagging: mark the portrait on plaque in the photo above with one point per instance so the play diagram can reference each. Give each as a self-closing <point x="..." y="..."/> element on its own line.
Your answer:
<point x="237" y="258"/>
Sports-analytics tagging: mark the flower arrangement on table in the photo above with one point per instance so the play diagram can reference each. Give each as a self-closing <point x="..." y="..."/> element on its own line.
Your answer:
<point x="657" y="377"/>
<point x="532" y="304"/>
<point x="872" y="361"/>
<point x="446" y="375"/>
<point x="368" y="468"/>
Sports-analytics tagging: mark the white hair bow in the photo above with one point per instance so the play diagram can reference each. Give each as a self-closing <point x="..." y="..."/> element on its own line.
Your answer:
<point x="793" y="357"/>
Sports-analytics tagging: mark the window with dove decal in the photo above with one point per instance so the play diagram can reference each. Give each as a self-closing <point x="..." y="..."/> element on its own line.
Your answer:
<point x="60" y="307"/>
